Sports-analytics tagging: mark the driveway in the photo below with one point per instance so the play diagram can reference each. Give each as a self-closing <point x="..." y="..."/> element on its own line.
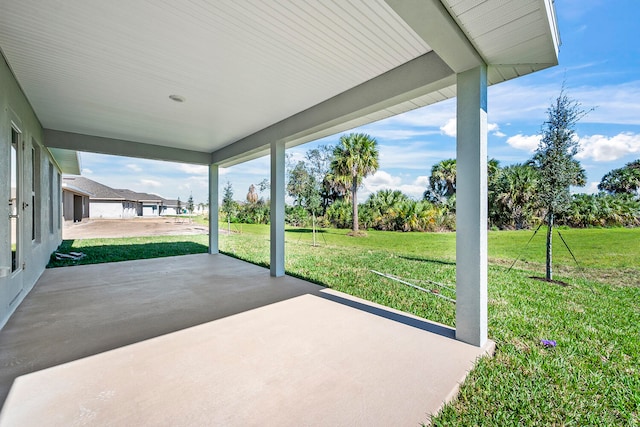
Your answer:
<point x="133" y="227"/>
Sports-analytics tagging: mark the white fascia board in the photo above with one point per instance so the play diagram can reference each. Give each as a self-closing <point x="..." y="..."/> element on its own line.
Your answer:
<point x="424" y="74"/>
<point x="120" y="147"/>
<point x="66" y="160"/>
<point x="432" y="22"/>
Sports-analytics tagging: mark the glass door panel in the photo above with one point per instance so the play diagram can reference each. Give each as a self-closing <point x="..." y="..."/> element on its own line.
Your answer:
<point x="14" y="200"/>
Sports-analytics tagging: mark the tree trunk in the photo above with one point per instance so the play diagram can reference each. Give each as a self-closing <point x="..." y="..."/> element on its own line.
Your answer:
<point x="549" y="245"/>
<point x="354" y="200"/>
<point x="313" y="226"/>
<point x="228" y="225"/>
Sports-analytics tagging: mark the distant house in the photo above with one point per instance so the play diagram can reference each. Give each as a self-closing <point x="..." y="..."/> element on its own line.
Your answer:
<point x="147" y="204"/>
<point x="75" y="203"/>
<point x="109" y="203"/>
<point x="170" y="207"/>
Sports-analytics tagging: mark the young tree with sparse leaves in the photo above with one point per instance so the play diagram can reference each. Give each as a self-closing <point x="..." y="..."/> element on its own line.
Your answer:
<point x="305" y="182"/>
<point x="557" y="168"/>
<point x="228" y="205"/>
<point x="190" y="206"/>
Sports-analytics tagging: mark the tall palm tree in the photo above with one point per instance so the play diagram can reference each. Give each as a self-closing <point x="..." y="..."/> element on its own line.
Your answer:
<point x="355" y="157"/>
<point x="442" y="182"/>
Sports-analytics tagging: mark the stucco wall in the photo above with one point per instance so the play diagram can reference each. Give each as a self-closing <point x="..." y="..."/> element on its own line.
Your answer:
<point x="15" y="112"/>
<point x="107" y="210"/>
<point x="67" y="205"/>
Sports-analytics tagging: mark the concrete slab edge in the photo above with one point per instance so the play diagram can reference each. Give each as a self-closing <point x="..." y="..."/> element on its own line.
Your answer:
<point x="488" y="350"/>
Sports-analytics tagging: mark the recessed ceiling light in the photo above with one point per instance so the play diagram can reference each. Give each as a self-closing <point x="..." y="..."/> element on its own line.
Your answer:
<point x="177" y="98"/>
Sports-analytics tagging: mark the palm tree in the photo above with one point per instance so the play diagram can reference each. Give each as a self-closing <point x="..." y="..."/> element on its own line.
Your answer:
<point x="382" y="207"/>
<point x="442" y="182"/>
<point x="355" y="157"/>
<point x="515" y="196"/>
<point x="625" y="180"/>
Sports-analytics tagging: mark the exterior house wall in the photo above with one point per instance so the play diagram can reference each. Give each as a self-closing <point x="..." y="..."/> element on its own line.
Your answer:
<point x="72" y="208"/>
<point x="109" y="209"/>
<point x="132" y="209"/>
<point x="150" y="210"/>
<point x="39" y="199"/>
<point x="67" y="205"/>
<point x="169" y="210"/>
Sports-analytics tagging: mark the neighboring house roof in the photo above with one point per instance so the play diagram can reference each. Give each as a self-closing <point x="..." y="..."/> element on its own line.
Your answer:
<point x="73" y="189"/>
<point x="139" y="197"/>
<point x="95" y="190"/>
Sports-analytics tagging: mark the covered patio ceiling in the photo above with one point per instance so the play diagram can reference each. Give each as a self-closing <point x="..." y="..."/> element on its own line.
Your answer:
<point x="99" y="75"/>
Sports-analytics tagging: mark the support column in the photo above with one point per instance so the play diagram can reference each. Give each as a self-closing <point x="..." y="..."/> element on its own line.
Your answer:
<point x="213" y="209"/>
<point x="277" y="209"/>
<point x="471" y="207"/>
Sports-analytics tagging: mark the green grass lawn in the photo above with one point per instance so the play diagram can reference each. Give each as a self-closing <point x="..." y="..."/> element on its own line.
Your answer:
<point x="128" y="248"/>
<point x="590" y="378"/>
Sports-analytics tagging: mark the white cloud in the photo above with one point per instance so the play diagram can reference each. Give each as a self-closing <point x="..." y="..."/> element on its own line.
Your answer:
<point x="605" y="149"/>
<point x="422" y="180"/>
<point x="515" y="101"/>
<point x="151" y="183"/>
<point x="430" y="116"/>
<point x="133" y="167"/>
<point x="591" y="188"/>
<point x="449" y="128"/>
<point x="397" y="134"/>
<point x="86" y="171"/>
<point x="193" y="169"/>
<point x="382" y="180"/>
<point x="524" y="142"/>
<point x="614" y="104"/>
<point x="415" y="155"/>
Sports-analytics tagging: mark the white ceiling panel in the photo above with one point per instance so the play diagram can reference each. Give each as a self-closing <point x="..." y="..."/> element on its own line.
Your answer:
<point x="107" y="68"/>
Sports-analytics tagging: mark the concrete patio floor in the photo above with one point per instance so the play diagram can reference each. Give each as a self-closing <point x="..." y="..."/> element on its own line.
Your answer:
<point x="211" y="340"/>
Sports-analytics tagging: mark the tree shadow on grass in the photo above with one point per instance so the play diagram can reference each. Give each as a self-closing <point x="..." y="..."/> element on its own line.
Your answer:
<point x="99" y="254"/>
<point x="304" y="230"/>
<point x="544" y="279"/>
<point x="431" y="260"/>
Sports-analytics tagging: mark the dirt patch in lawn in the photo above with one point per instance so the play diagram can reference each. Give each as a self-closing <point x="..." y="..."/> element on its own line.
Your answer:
<point x="105" y="228"/>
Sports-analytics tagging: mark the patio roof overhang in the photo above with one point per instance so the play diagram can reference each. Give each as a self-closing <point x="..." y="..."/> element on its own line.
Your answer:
<point x="99" y="75"/>
<point x="219" y="83"/>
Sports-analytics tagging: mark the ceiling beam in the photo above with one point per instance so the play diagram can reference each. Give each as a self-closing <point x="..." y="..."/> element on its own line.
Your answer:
<point x="120" y="147"/>
<point x="420" y="76"/>
<point x="433" y="23"/>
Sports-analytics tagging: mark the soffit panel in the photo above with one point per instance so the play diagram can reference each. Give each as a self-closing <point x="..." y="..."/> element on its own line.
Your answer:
<point x="509" y="31"/>
<point x="107" y="68"/>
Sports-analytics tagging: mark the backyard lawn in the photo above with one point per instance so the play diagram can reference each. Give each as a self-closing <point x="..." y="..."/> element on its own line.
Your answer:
<point x="592" y="375"/>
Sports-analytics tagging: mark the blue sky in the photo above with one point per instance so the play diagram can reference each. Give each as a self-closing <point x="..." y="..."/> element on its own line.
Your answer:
<point x="599" y="63"/>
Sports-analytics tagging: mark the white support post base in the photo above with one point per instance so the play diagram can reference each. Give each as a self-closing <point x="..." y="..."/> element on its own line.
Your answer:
<point x="471" y="207"/>
<point x="213" y="209"/>
<point x="277" y="209"/>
